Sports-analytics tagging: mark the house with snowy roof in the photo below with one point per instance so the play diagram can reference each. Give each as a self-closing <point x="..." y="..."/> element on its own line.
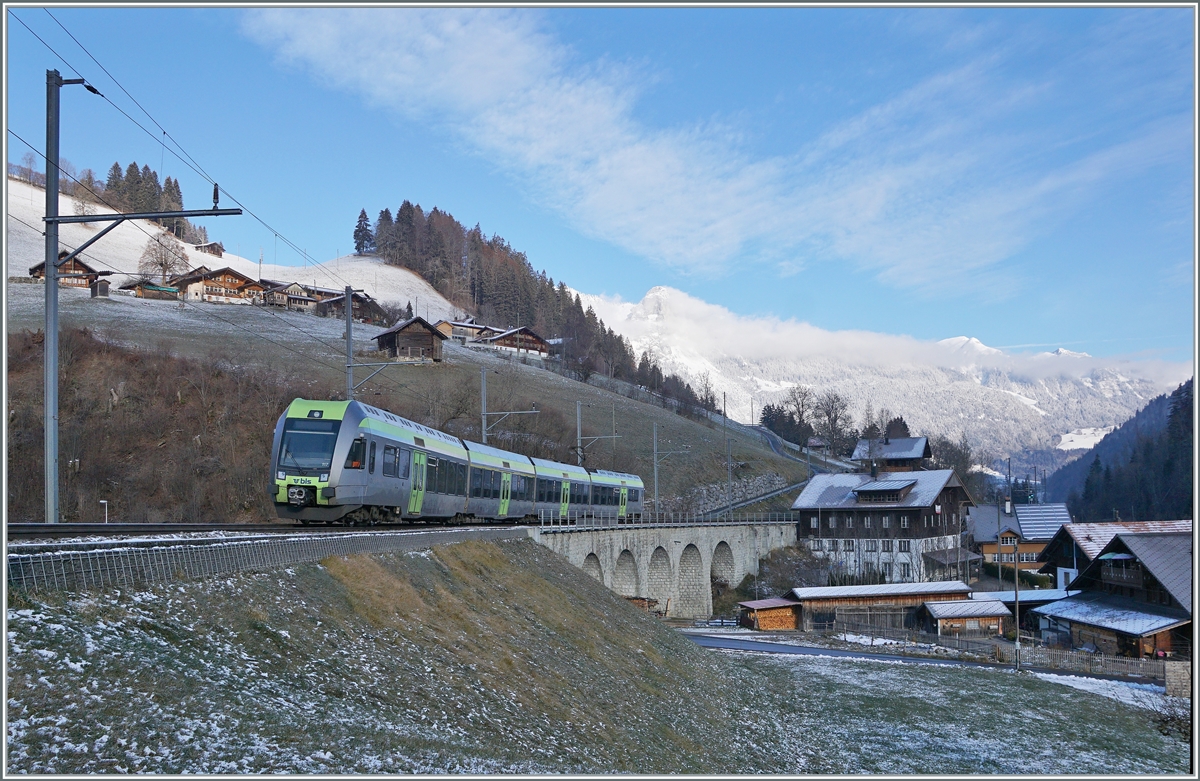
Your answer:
<point x="901" y="526"/>
<point x="1135" y="599"/>
<point x="1076" y="545"/>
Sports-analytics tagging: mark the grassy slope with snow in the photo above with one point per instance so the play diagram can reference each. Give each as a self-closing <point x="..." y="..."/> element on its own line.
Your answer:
<point x="120" y="250"/>
<point x="499" y="658"/>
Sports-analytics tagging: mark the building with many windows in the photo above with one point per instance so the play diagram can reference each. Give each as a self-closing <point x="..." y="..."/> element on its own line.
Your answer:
<point x="903" y="527"/>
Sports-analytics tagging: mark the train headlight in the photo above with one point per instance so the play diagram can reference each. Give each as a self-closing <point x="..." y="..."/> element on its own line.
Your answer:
<point x="325" y="478"/>
<point x="281" y="475"/>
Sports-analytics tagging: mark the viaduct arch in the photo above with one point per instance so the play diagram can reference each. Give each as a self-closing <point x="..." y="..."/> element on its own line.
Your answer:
<point x="674" y="565"/>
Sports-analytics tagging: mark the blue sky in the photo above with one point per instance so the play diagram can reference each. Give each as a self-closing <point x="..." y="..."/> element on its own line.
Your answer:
<point x="1024" y="176"/>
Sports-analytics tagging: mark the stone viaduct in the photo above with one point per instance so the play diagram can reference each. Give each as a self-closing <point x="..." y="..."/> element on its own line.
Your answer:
<point x="674" y="565"/>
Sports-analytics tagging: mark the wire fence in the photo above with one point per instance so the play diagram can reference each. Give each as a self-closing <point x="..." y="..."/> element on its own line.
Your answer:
<point x="135" y="566"/>
<point x="1032" y="655"/>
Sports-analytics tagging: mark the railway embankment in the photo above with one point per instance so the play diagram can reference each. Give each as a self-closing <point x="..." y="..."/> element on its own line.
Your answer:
<point x="471" y="657"/>
<point x="496" y="656"/>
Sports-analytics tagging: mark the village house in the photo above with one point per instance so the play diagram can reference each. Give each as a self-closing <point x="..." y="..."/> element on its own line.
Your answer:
<point x="74" y="273"/>
<point x="518" y="340"/>
<point x="362" y="308"/>
<point x="1135" y="600"/>
<point x="1016" y="533"/>
<point x="884" y="605"/>
<point x="287" y="295"/>
<point x="1076" y="545"/>
<point x="466" y="330"/>
<point x="892" y="454"/>
<point x="223" y="286"/>
<point x="215" y="248"/>
<point x="887" y="525"/>
<point x="412" y="340"/>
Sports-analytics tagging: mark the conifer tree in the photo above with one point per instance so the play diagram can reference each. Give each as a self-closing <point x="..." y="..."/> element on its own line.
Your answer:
<point x="364" y="240"/>
<point x="116" y="181"/>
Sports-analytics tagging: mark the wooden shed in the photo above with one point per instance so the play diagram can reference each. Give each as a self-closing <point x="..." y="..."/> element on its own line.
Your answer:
<point x="769" y="614"/>
<point x="966" y="617"/>
<point x="412" y="340"/>
<point x="896" y="604"/>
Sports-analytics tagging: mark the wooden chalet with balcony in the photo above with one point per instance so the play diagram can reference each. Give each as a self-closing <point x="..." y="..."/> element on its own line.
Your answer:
<point x="74" y="273"/>
<point x="223" y="286"/>
<point x="517" y="340"/>
<point x="1076" y="545"/>
<point x="363" y="308"/>
<point x="465" y="330"/>
<point x="1135" y="599"/>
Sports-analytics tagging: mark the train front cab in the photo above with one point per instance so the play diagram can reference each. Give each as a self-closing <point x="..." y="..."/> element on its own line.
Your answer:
<point x="313" y="442"/>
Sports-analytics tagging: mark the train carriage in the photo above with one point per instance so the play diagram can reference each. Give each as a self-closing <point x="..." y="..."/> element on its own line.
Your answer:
<point x="616" y="495"/>
<point x="502" y="483"/>
<point x="563" y="490"/>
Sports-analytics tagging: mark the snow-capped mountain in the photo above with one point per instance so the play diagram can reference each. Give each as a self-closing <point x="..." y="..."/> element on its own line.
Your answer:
<point x="1003" y="402"/>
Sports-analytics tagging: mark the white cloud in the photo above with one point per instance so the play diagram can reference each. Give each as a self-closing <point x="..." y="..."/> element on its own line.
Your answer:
<point x="926" y="189"/>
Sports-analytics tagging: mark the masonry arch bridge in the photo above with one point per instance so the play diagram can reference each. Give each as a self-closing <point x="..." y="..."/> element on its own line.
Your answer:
<point x="674" y="565"/>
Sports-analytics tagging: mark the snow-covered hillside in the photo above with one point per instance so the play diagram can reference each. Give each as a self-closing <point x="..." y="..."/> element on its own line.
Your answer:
<point x="120" y="250"/>
<point x="1003" y="402"/>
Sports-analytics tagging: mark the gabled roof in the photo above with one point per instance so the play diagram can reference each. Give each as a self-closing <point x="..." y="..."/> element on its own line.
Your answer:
<point x="1119" y="614"/>
<point x="78" y="260"/>
<point x="896" y="447"/>
<point x="1168" y="557"/>
<point x="398" y="327"/>
<point x="982" y="521"/>
<point x="882" y="590"/>
<point x="967" y="608"/>
<point x="837" y="491"/>
<point x="1092" y="537"/>
<point x="1041" y="521"/>
<point x="523" y="329"/>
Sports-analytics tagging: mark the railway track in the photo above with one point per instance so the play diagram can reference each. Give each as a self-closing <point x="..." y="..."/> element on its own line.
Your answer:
<point x="25" y="531"/>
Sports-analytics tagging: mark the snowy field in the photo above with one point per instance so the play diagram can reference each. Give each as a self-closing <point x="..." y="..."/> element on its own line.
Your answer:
<point x="120" y="250"/>
<point x="1084" y="438"/>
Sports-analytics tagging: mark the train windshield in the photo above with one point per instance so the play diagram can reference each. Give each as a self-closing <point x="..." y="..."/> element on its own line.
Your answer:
<point x="308" y="444"/>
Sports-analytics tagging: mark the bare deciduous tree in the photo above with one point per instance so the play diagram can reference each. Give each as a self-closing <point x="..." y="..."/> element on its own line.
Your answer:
<point x="833" y="420"/>
<point x="800" y="401"/>
<point x="163" y="256"/>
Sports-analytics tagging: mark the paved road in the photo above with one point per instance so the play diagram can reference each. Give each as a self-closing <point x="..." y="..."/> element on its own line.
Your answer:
<point x="738" y="644"/>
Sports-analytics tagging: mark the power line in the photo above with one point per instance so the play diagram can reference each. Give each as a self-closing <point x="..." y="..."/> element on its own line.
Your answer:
<point x="186" y="259"/>
<point x="190" y="162"/>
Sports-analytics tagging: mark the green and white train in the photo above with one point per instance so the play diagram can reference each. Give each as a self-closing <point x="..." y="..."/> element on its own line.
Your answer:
<point x="351" y="463"/>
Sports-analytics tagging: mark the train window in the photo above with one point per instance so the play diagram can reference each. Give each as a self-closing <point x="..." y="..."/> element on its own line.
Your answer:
<point x="431" y="475"/>
<point x="403" y="462"/>
<point x="371" y="461"/>
<point x="445" y="477"/>
<point x="541" y="490"/>
<point x="354" y="460"/>
<point x="633" y="495"/>
<point x="495" y="485"/>
<point x="389" y="461"/>
<point x="308" y="444"/>
<point x="476" y="481"/>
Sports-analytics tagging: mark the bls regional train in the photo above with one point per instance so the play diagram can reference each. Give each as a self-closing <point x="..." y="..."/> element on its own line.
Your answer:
<point x="351" y="463"/>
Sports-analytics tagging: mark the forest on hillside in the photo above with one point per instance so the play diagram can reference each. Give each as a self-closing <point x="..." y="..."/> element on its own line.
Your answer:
<point x="1154" y="483"/>
<point x="487" y="277"/>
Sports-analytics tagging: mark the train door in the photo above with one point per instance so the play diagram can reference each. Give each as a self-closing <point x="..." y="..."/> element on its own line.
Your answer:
<point x="417" y="496"/>
<point x="624" y="499"/>
<point x="505" y="492"/>
<point x="566" y="499"/>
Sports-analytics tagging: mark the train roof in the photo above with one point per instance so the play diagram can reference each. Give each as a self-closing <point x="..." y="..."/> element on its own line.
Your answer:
<point x="411" y="433"/>
<point x="556" y="471"/>
<point x="488" y="456"/>
<point x="606" y="477"/>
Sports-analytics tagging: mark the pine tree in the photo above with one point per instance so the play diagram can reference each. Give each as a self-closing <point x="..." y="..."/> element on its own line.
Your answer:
<point x="385" y="236"/>
<point x="114" y="187"/>
<point x="364" y="240"/>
